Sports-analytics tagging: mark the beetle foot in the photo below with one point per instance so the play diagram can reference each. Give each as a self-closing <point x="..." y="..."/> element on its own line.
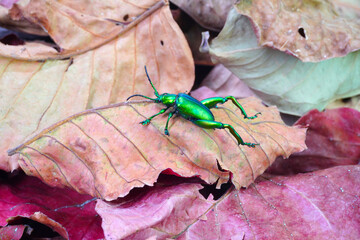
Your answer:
<point x="252" y="145"/>
<point x="252" y="117"/>
<point x="145" y="122"/>
<point x="167" y="132"/>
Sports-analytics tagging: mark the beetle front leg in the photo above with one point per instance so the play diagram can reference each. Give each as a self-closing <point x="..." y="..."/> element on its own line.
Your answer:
<point x="212" y="102"/>
<point x="147" y="121"/>
<point x="219" y="125"/>
<point x="167" y="123"/>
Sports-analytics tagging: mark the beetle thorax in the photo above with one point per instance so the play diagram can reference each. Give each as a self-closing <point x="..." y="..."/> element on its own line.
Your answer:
<point x="168" y="99"/>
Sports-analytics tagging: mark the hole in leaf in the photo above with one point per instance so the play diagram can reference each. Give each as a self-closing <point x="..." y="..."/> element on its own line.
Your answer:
<point x="301" y="31"/>
<point x="211" y="189"/>
<point x="126" y="17"/>
<point x="162" y="42"/>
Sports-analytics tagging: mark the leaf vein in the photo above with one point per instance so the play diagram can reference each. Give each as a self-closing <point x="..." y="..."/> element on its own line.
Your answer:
<point x="22" y="90"/>
<point x="107" y="156"/>
<point x="181" y="150"/>
<point x="54" y="161"/>
<point x="80" y="159"/>
<point x="122" y="134"/>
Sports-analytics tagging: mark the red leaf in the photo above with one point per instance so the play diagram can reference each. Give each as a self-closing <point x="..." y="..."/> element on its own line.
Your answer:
<point x="306" y="206"/>
<point x="332" y="139"/>
<point x="13" y="232"/>
<point x="70" y="214"/>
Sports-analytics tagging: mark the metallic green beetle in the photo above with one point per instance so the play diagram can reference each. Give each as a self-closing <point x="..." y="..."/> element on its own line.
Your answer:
<point x="194" y="110"/>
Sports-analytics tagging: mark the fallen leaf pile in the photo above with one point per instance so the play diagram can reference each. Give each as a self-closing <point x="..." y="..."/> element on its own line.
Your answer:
<point x="308" y="206"/>
<point x="76" y="162"/>
<point x="56" y="89"/>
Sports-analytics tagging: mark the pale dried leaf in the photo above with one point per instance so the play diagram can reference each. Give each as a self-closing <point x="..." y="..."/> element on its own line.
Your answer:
<point x="34" y="95"/>
<point x="209" y="14"/>
<point x="75" y="28"/>
<point x="225" y="83"/>
<point x="203" y="92"/>
<point x="112" y="153"/>
<point x="280" y="79"/>
<point x="20" y="25"/>
<point x="312" y="30"/>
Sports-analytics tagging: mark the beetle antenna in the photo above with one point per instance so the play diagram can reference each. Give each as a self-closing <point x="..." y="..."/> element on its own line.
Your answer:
<point x="156" y="92"/>
<point x="138" y="95"/>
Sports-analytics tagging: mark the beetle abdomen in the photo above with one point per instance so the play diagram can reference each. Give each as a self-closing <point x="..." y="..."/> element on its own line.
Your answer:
<point x="190" y="108"/>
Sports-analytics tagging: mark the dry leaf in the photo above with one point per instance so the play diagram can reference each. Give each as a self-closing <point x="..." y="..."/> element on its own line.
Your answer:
<point x="20" y="25"/>
<point x="209" y="14"/>
<point x="225" y="83"/>
<point x="13" y="232"/>
<point x="278" y="78"/>
<point x="321" y="205"/>
<point x="203" y="92"/>
<point x="112" y="153"/>
<point x="332" y="139"/>
<point x="65" y="211"/>
<point x="76" y="27"/>
<point x="36" y="94"/>
<point x="312" y="30"/>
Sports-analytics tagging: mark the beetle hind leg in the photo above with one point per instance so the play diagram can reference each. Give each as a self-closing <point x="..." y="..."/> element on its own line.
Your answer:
<point x="212" y="102"/>
<point x="213" y="124"/>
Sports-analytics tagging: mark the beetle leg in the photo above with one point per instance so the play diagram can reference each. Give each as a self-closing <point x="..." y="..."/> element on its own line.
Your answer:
<point x="219" y="125"/>
<point x="147" y="121"/>
<point x="167" y="123"/>
<point x="212" y="102"/>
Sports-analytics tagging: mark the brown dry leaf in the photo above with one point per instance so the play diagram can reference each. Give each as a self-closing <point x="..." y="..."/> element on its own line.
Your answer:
<point x="36" y="94"/>
<point x="312" y="30"/>
<point x="76" y="26"/>
<point x="105" y="152"/>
